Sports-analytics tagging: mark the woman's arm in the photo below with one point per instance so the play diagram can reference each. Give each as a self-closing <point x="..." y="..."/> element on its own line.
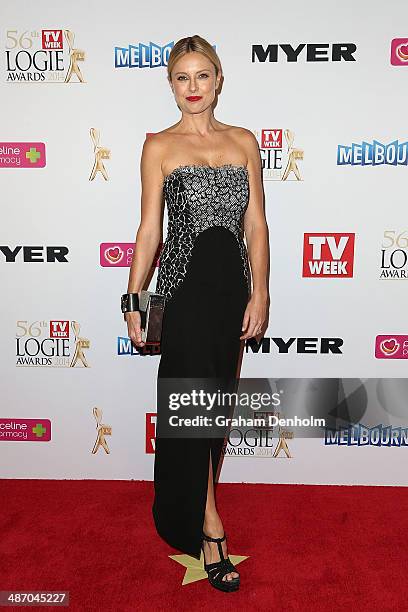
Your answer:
<point x="150" y="228"/>
<point x="256" y="234"/>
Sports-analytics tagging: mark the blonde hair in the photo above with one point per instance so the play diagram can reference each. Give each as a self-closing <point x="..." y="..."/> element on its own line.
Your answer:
<point x="189" y="44"/>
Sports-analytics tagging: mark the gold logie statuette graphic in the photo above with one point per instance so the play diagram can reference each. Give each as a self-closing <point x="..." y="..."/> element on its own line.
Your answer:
<point x="282" y="444"/>
<point x="75" y="55"/>
<point x="80" y="344"/>
<point x="100" y="154"/>
<point x="293" y="155"/>
<point x="103" y="430"/>
<point x="283" y="434"/>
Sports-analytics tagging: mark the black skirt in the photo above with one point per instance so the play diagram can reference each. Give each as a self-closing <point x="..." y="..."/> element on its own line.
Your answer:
<point x="200" y="338"/>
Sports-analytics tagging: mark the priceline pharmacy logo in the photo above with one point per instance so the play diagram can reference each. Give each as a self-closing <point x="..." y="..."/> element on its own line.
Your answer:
<point x="376" y="154"/>
<point x="22" y="155"/>
<point x="25" y="430"/>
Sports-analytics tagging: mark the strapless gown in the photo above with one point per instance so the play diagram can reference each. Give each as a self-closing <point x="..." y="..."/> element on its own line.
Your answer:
<point x="204" y="274"/>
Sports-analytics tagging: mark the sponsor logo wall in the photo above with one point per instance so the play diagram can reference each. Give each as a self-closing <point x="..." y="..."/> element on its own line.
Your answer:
<point x="335" y="169"/>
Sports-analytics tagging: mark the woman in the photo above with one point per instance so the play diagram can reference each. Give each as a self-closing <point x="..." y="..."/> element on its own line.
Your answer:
<point x="210" y="175"/>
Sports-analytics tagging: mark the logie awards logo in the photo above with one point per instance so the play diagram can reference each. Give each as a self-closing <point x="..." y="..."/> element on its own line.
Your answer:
<point x="50" y="344"/>
<point x="42" y="56"/>
<point x="394" y="255"/>
<point x="280" y="156"/>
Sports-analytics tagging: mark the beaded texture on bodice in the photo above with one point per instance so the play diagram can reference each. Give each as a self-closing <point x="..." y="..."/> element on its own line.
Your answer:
<point x="199" y="197"/>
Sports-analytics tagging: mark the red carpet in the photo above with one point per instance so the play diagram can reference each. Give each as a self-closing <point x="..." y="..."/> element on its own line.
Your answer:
<point x="310" y="548"/>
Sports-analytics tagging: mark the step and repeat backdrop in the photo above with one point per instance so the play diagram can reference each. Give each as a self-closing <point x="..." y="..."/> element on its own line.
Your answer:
<point x="323" y="87"/>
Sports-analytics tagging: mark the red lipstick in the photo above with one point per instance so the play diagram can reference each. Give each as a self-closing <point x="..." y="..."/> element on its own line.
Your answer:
<point x="193" y="98"/>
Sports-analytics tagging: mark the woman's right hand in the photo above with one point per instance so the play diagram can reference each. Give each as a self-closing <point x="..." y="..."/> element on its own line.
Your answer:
<point x="133" y="321"/>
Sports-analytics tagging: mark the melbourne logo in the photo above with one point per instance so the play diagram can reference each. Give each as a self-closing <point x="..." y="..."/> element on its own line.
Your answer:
<point x="143" y="56"/>
<point x="394" y="256"/>
<point x="328" y="255"/>
<point x="55" y="343"/>
<point x="126" y="347"/>
<point x="399" y="52"/>
<point x="373" y="154"/>
<point x="359" y="435"/>
<point x="391" y="346"/>
<point x="280" y="156"/>
<point x="42" y="56"/>
<point x="326" y="52"/>
<point x="22" y="155"/>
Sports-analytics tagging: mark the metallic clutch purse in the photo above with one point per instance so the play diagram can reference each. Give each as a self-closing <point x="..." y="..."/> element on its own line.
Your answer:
<point x="151" y="307"/>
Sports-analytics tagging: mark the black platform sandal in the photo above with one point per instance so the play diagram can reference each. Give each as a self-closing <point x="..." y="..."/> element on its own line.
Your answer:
<point x="216" y="571"/>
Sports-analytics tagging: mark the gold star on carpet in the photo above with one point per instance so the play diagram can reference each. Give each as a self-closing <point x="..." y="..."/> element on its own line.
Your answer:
<point x="195" y="567"/>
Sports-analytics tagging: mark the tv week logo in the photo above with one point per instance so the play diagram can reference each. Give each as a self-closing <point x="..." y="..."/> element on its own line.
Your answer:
<point x="150" y="446"/>
<point x="271" y="139"/>
<point x="328" y="255"/>
<point x="51" y="39"/>
<point x="59" y="329"/>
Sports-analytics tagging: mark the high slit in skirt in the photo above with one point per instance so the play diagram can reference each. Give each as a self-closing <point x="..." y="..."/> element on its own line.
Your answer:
<point x="201" y="331"/>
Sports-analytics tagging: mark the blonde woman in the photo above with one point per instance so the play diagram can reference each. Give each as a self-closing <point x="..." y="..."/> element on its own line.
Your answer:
<point x="209" y="173"/>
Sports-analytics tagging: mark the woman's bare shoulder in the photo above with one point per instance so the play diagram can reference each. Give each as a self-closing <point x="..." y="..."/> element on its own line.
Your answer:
<point x="235" y="130"/>
<point x="244" y="139"/>
<point x="155" y="148"/>
<point x="242" y="135"/>
<point x="158" y="144"/>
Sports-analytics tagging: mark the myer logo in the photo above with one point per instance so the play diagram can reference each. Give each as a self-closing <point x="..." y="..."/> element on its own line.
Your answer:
<point x="301" y="346"/>
<point x="311" y="52"/>
<point x="28" y="254"/>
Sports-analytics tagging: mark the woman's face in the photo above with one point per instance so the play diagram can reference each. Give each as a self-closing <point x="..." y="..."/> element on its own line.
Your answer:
<point x="193" y="82"/>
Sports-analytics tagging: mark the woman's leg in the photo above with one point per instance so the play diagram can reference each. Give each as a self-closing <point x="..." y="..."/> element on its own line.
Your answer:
<point x="213" y="527"/>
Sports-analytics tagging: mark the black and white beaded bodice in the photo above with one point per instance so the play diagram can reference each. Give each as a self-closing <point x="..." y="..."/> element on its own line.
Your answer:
<point x="200" y="197"/>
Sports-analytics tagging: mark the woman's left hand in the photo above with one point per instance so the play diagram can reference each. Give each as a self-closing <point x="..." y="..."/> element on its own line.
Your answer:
<point x="255" y="319"/>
